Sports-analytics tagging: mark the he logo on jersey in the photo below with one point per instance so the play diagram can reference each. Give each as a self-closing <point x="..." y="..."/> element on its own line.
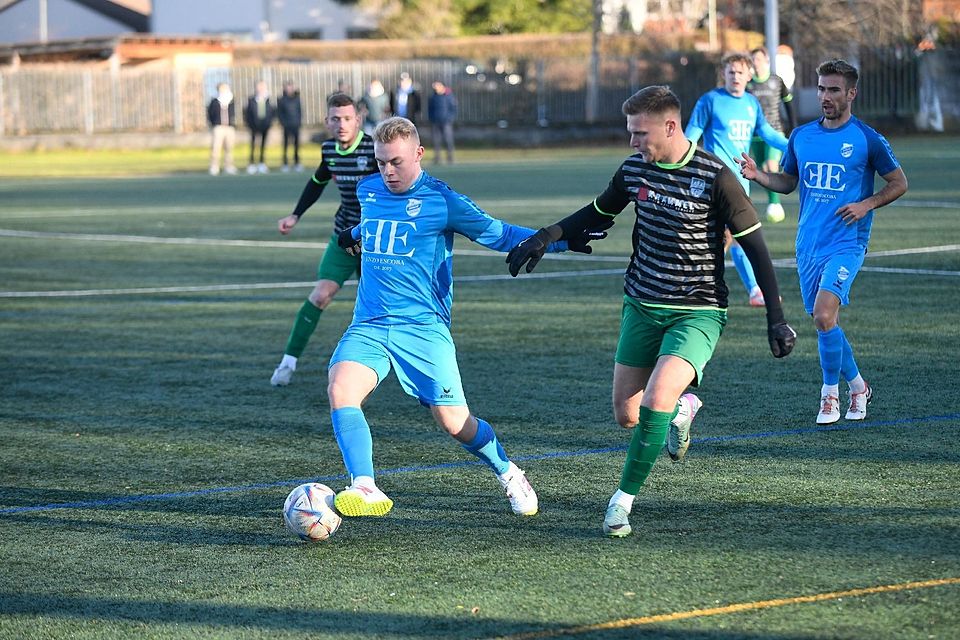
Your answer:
<point x="389" y="237"/>
<point x="413" y="207"/>
<point x="643" y="193"/>
<point x="362" y="163"/>
<point x="371" y="197"/>
<point x="846" y="150"/>
<point x="740" y="129"/>
<point x="824" y="175"/>
<point x="697" y="187"/>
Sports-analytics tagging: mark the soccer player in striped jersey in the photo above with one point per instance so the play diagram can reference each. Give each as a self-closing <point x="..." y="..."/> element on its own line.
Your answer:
<point x="345" y="158"/>
<point x="401" y="320"/>
<point x="834" y="161"/>
<point x="675" y="302"/>
<point x="728" y="117"/>
<point x="772" y="92"/>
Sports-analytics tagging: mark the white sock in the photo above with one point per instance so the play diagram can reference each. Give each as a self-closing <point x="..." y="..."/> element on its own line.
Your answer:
<point x="625" y="500"/>
<point x="365" y="481"/>
<point x="830" y="390"/>
<point x="857" y="385"/>
<point x="289" y="361"/>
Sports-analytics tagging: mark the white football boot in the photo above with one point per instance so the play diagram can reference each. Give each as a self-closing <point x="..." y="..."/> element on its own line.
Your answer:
<point x="858" y="404"/>
<point x="829" y="410"/>
<point x="523" y="499"/>
<point x="678" y="437"/>
<point x="282" y="375"/>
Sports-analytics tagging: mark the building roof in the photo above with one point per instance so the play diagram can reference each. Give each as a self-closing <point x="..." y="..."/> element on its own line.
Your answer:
<point x="132" y="13"/>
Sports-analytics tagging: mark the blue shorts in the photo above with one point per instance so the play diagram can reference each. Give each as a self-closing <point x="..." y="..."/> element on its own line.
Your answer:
<point x="422" y="355"/>
<point x="831" y="273"/>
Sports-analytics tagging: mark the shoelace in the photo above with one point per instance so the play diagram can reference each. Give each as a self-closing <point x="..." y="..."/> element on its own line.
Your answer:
<point x="828" y="404"/>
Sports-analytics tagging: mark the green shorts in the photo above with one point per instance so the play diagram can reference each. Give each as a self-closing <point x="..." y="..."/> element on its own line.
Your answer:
<point x="648" y="332"/>
<point x="337" y="264"/>
<point x="760" y="151"/>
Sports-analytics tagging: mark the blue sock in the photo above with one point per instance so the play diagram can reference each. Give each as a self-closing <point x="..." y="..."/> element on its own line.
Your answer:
<point x="744" y="268"/>
<point x="353" y="437"/>
<point x="848" y="366"/>
<point x="830" y="344"/>
<point x="486" y="447"/>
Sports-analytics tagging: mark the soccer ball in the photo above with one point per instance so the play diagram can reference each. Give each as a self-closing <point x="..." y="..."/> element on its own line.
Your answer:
<point x="309" y="513"/>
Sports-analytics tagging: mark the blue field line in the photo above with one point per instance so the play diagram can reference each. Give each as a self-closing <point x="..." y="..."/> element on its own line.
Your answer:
<point x="179" y="495"/>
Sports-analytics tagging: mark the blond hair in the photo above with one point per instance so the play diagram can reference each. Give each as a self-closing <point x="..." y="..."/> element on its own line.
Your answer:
<point x="396" y="127"/>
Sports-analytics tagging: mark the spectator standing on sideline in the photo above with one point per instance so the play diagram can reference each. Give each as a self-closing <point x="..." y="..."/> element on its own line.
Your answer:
<point x="346" y="157"/>
<point x="405" y="99"/>
<point x="222" y="118"/>
<point x="374" y="106"/>
<point x="259" y="115"/>
<point x="771" y="90"/>
<point x="442" y="111"/>
<point x="837" y="157"/>
<point x="290" y="114"/>
<point x="675" y="299"/>
<point x="727" y="118"/>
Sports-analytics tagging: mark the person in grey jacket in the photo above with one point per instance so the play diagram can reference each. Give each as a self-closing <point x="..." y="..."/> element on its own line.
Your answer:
<point x="290" y="114"/>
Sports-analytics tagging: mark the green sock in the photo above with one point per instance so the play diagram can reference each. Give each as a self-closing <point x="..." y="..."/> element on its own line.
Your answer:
<point x="303" y="328"/>
<point x="648" y="438"/>
<point x="774" y="197"/>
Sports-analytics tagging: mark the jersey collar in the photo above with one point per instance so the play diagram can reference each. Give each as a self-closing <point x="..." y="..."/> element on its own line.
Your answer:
<point x="352" y="148"/>
<point x="683" y="161"/>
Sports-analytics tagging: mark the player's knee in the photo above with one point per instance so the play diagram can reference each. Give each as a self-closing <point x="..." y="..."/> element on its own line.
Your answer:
<point x="322" y="295"/>
<point x="824" y="320"/>
<point x="626" y="419"/>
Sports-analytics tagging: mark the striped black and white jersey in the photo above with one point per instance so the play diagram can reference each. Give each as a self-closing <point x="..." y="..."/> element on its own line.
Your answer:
<point x="346" y="167"/>
<point x="682" y="210"/>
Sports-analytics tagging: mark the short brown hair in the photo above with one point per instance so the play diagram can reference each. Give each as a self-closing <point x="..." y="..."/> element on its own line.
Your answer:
<point x="838" y="67"/>
<point x="396" y="127"/>
<point x="339" y="99"/>
<point x="655" y="99"/>
<point x="736" y="56"/>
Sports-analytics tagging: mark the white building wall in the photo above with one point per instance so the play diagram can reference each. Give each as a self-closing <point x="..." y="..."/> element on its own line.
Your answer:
<point x="258" y="20"/>
<point x="20" y="22"/>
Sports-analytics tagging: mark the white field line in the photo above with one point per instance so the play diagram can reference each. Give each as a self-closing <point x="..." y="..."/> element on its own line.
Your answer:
<point x="781" y="263"/>
<point x="277" y="285"/>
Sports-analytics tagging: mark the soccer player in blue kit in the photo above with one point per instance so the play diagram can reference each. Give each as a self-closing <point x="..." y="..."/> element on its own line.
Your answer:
<point x="834" y="161"/>
<point x="727" y="118"/>
<point x="402" y="315"/>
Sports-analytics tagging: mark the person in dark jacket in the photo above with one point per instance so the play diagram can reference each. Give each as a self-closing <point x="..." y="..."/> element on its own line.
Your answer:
<point x="290" y="114"/>
<point x="222" y="118"/>
<point x="259" y="115"/>
<point x="405" y="99"/>
<point x="442" y="111"/>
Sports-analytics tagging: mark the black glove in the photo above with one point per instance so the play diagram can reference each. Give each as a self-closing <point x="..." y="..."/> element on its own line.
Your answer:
<point x="782" y="337"/>
<point x="530" y="251"/>
<point x="346" y="242"/>
<point x="580" y="244"/>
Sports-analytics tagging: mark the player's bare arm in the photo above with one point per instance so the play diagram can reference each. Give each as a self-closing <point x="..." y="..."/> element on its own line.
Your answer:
<point x="771" y="181"/>
<point x="896" y="186"/>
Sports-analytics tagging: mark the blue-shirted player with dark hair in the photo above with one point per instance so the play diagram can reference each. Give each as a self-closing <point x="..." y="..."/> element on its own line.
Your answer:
<point x="728" y="118"/>
<point x="834" y="161"/>
<point x="402" y="316"/>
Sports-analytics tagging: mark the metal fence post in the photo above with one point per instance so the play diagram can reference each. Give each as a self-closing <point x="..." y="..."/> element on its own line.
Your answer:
<point x="87" y="101"/>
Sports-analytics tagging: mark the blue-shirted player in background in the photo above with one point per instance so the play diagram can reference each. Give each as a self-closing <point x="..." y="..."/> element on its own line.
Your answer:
<point x="834" y="161"/>
<point x="402" y="315"/>
<point x="728" y="118"/>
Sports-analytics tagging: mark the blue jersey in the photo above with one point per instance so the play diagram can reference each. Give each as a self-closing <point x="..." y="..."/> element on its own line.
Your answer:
<point x="835" y="167"/>
<point x="407" y="256"/>
<point x="728" y="124"/>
